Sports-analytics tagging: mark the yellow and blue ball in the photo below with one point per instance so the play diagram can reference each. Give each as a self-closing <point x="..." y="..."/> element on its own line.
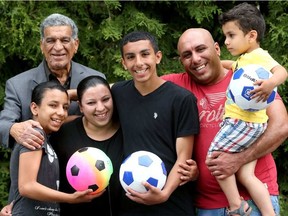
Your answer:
<point x="242" y="83"/>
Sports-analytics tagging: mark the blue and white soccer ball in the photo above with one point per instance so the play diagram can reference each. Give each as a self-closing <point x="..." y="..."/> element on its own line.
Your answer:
<point x="142" y="166"/>
<point x="242" y="83"/>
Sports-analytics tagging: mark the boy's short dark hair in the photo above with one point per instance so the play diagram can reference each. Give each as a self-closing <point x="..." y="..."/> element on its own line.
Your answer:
<point x="248" y="17"/>
<point x="137" y="36"/>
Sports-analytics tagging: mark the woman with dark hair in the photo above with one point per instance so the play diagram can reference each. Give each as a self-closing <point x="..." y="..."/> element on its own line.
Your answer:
<point x="98" y="127"/>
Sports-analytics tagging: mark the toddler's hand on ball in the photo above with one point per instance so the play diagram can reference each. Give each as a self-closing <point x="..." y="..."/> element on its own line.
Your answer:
<point x="263" y="90"/>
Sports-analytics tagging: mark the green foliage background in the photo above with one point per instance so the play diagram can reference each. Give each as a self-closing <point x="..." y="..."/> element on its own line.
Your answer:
<point x="103" y="23"/>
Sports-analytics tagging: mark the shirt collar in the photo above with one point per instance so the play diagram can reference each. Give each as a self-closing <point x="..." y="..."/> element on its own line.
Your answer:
<point x="50" y="76"/>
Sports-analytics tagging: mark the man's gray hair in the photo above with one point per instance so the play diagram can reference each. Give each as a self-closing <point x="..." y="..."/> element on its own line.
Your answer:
<point x="58" y="20"/>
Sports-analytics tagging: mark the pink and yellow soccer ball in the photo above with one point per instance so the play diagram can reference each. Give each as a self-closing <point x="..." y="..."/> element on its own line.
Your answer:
<point x="89" y="168"/>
